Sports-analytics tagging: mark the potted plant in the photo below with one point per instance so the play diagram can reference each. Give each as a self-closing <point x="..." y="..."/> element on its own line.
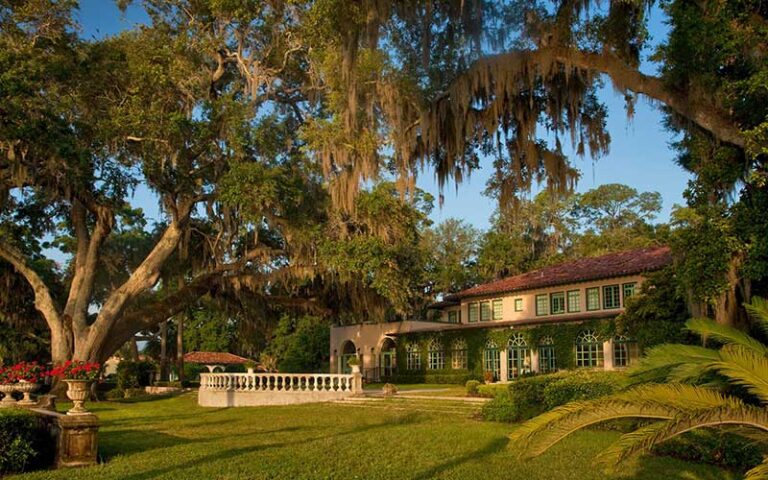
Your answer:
<point x="250" y="366"/>
<point x="354" y="363"/>
<point x="28" y="375"/>
<point x="7" y="381"/>
<point x="78" y="376"/>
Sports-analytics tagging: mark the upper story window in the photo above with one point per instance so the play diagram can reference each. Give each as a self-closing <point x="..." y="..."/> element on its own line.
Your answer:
<point x="574" y="301"/>
<point x="454" y="316"/>
<point x="557" y="303"/>
<point x="628" y="290"/>
<point x="485" y="311"/>
<point x="542" y="305"/>
<point x="474" y="312"/>
<point x="497" y="309"/>
<point x="518" y="304"/>
<point x="593" y="298"/>
<point x="611" y="297"/>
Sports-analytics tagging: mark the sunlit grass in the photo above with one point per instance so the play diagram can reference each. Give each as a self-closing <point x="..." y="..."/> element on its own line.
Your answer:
<point x="176" y="439"/>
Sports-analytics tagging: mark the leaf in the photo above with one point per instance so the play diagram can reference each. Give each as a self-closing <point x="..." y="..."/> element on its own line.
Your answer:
<point x="731" y="336"/>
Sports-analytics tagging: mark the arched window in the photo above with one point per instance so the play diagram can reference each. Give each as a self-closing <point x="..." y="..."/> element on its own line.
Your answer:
<point x="622" y="348"/>
<point x="518" y="357"/>
<point x="413" y="357"/>
<point x="459" y="354"/>
<point x="492" y="359"/>
<point x="547" y="360"/>
<point x="435" y="355"/>
<point x="589" y="350"/>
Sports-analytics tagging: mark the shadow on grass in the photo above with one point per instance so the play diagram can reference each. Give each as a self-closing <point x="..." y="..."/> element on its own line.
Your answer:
<point x="236" y="452"/>
<point x="494" y="446"/>
<point x="653" y="467"/>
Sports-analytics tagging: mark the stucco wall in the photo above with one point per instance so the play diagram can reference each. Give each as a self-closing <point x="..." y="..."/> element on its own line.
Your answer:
<point x="529" y="300"/>
<point x="368" y="339"/>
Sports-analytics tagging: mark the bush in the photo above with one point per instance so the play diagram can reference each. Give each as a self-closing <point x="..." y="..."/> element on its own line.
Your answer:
<point x="441" y="378"/>
<point x="23" y="442"/>
<point x="501" y="408"/>
<point x="472" y="388"/>
<point x="528" y="393"/>
<point x="134" y="392"/>
<point x="115" y="394"/>
<point x="492" y="390"/>
<point x="713" y="447"/>
<point x="580" y="385"/>
<point x="134" y="374"/>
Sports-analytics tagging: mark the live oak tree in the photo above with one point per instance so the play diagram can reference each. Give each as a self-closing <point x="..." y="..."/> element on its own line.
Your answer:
<point x="201" y="108"/>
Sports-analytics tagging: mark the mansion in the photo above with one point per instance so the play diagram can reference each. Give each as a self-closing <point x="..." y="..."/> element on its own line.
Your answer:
<point x="552" y="318"/>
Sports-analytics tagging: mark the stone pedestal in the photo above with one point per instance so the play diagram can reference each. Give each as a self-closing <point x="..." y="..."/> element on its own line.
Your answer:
<point x="76" y="437"/>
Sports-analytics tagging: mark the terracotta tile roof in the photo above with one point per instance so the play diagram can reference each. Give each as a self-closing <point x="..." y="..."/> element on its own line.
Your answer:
<point x="214" y="358"/>
<point x="594" y="268"/>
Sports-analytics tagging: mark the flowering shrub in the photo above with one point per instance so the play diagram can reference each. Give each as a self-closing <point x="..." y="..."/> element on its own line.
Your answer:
<point x="7" y="376"/>
<point x="76" y="370"/>
<point x="31" y="372"/>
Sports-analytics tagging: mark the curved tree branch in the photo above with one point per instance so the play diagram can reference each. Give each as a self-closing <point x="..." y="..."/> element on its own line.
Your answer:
<point x="624" y="77"/>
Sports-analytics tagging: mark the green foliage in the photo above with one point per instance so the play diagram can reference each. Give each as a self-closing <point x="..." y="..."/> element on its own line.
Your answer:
<point x="491" y="390"/>
<point x="300" y="344"/>
<point x="24" y="444"/>
<point x="715" y="448"/>
<point x="472" y="387"/>
<point x="502" y="407"/>
<point x="657" y="312"/>
<point x="132" y="374"/>
<point x="209" y="329"/>
<point x="580" y="385"/>
<point x="450" y="247"/>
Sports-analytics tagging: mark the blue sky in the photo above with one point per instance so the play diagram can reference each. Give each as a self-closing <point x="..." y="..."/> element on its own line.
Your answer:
<point x="639" y="156"/>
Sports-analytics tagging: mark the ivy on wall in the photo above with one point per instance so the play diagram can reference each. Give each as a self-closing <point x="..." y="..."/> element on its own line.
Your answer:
<point x="563" y="336"/>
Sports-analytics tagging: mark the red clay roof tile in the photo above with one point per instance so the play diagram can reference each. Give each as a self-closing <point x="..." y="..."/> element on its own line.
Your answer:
<point x="214" y="358"/>
<point x="585" y="269"/>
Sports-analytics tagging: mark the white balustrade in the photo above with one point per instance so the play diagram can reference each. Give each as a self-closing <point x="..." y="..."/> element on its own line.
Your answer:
<point x="240" y="389"/>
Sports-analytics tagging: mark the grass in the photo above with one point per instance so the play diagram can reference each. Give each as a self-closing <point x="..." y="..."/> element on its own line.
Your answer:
<point x="175" y="439"/>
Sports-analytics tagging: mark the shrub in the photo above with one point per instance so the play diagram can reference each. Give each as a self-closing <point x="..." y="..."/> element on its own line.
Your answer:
<point x="580" y="385"/>
<point x="134" y="392"/>
<point x="115" y="394"/>
<point x="441" y="378"/>
<point x="472" y="388"/>
<point x="528" y="393"/>
<point x="501" y="408"/>
<point x="23" y="442"/>
<point x="492" y="390"/>
<point x="134" y="374"/>
<point x="713" y="447"/>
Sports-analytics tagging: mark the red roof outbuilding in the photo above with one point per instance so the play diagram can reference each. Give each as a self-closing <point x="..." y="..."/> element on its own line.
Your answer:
<point x="619" y="264"/>
<point x="214" y="358"/>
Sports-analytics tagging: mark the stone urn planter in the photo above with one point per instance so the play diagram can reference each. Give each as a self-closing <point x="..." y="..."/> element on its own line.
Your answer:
<point x="27" y="388"/>
<point x="78" y="391"/>
<point x="7" y="390"/>
<point x="355" y="368"/>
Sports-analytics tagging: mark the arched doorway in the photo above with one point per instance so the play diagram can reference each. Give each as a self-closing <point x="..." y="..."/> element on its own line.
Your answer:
<point x="348" y="351"/>
<point x="388" y="359"/>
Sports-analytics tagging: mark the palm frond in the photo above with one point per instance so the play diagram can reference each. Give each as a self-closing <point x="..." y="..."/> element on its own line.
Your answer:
<point x="662" y="402"/>
<point x="758" y="311"/>
<point x="745" y="367"/>
<point x="644" y="439"/>
<point x="664" y="362"/>
<point x="708" y="328"/>
<point x="760" y="472"/>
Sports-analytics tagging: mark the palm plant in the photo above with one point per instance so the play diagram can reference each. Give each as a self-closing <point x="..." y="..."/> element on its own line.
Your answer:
<point x="703" y="388"/>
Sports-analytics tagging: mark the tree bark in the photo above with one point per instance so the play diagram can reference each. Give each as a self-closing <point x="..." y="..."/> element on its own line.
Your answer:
<point x="164" y="351"/>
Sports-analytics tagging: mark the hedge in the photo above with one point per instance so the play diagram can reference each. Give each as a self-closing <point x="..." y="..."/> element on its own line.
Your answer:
<point x="24" y="443"/>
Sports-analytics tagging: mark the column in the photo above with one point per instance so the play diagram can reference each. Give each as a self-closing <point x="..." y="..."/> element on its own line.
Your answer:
<point x="504" y="370"/>
<point x="608" y="355"/>
<point x="535" y="360"/>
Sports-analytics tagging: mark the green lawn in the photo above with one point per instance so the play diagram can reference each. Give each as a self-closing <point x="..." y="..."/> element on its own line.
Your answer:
<point x="175" y="439"/>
